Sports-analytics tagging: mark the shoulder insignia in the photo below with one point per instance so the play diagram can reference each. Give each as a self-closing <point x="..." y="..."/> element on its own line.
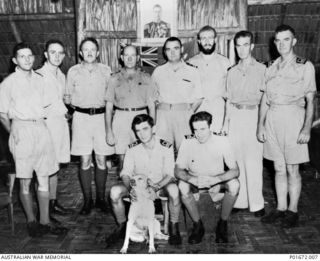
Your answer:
<point x="165" y="143"/>
<point x="192" y="65"/>
<point x="229" y="68"/>
<point x="133" y="144"/>
<point x="268" y="64"/>
<point x="190" y="136"/>
<point x="301" y="60"/>
<point x="38" y="73"/>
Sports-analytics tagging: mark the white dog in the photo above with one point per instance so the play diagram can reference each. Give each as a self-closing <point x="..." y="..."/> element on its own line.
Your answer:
<point x="142" y="215"/>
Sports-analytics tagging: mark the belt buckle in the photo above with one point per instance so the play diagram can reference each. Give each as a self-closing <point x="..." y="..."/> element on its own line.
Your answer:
<point x="92" y="111"/>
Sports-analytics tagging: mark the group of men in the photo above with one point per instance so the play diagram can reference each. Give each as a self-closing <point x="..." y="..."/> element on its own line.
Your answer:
<point x="221" y="121"/>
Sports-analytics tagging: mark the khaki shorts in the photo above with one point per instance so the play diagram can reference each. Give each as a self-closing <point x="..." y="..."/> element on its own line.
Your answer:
<point x="89" y="134"/>
<point x="32" y="149"/>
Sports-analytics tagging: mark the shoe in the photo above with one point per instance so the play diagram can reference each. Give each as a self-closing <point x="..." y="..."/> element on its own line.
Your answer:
<point x="222" y="231"/>
<point x="197" y="233"/>
<point x="174" y="234"/>
<point x="259" y="213"/>
<point x="238" y="210"/>
<point x="273" y="217"/>
<point x="290" y="220"/>
<point x="56" y="209"/>
<point x="34" y="229"/>
<point x="86" y="209"/>
<point x="117" y="234"/>
<point x="52" y="229"/>
<point x="102" y="205"/>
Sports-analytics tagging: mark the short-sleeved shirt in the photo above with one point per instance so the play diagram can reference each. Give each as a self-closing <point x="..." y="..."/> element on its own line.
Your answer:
<point x="88" y="88"/>
<point x="289" y="83"/>
<point x="180" y="85"/>
<point x="155" y="163"/>
<point x="53" y="90"/>
<point x="205" y="158"/>
<point x="130" y="90"/>
<point x="213" y="74"/>
<point x="22" y="96"/>
<point x="245" y="85"/>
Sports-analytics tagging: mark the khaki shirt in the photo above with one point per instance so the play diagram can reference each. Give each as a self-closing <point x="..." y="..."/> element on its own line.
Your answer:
<point x="130" y="91"/>
<point x="205" y="158"/>
<point x="290" y="82"/>
<point x="53" y="90"/>
<point x="245" y="85"/>
<point x="213" y="74"/>
<point x="182" y="85"/>
<point x="155" y="163"/>
<point x="87" y="88"/>
<point x="22" y="97"/>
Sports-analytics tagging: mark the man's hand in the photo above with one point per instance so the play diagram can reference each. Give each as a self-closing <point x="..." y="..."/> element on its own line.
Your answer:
<point x="207" y="181"/>
<point x="110" y="139"/>
<point x="152" y="194"/>
<point x="154" y="186"/>
<point x="225" y="129"/>
<point x="261" y="134"/>
<point x="304" y="136"/>
<point x="16" y="136"/>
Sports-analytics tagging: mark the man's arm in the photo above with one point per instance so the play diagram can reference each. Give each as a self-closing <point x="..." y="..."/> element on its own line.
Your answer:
<point x="126" y="181"/>
<point x="183" y="174"/>
<point x="195" y="105"/>
<point x="5" y="121"/>
<point x="109" y="133"/>
<point x="263" y="108"/>
<point x="226" y="118"/>
<point x="304" y="135"/>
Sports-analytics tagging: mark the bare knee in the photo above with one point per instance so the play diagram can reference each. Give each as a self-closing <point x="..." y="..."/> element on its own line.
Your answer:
<point x="43" y="184"/>
<point x="116" y="192"/>
<point x="173" y="191"/>
<point x="233" y="187"/>
<point x="86" y="162"/>
<point x="293" y="171"/>
<point x="280" y="168"/>
<point x="101" y="161"/>
<point x="25" y="186"/>
<point x="184" y="189"/>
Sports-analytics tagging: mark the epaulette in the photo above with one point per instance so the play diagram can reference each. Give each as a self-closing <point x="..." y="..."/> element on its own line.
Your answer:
<point x="301" y="60"/>
<point x="268" y="64"/>
<point x="229" y="68"/>
<point x="39" y="74"/>
<point x="192" y="65"/>
<point x="190" y="136"/>
<point x="133" y="144"/>
<point x="165" y="143"/>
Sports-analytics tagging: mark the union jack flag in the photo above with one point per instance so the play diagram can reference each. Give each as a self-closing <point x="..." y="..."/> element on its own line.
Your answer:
<point x="149" y="56"/>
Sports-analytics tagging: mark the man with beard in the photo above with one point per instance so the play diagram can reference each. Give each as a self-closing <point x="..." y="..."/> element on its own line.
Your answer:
<point x="213" y="69"/>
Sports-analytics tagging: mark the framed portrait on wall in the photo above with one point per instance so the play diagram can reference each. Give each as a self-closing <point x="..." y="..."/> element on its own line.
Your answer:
<point x="157" y="20"/>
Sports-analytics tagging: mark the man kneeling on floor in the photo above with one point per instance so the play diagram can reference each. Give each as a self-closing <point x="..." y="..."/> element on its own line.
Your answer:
<point x="200" y="165"/>
<point x="154" y="158"/>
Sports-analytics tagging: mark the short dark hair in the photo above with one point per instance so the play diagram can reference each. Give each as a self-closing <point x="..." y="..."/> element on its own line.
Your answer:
<point x="243" y="34"/>
<point x="206" y="28"/>
<point x="53" y="41"/>
<point x="170" y="39"/>
<point x="284" y="27"/>
<point x="200" y="116"/>
<point x="89" y="39"/>
<point x="20" y="46"/>
<point x="140" y="118"/>
<point x="129" y="45"/>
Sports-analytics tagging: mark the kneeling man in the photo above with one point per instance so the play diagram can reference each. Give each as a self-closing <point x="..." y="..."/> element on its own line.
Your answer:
<point x="200" y="164"/>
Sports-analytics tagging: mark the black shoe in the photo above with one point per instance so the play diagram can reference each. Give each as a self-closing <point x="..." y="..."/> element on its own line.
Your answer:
<point x="52" y="229"/>
<point x="273" y="217"/>
<point x="259" y="213"/>
<point x="174" y="234"/>
<point x="56" y="209"/>
<point x="102" y="205"/>
<point x="197" y="233"/>
<point x="222" y="231"/>
<point x="86" y="209"/>
<point x="290" y="220"/>
<point x="238" y="210"/>
<point x="118" y="234"/>
<point x="33" y="228"/>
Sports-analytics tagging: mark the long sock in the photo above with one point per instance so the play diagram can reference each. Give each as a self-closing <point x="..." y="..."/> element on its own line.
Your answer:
<point x="43" y="198"/>
<point x="227" y="205"/>
<point x="26" y="200"/>
<point x="53" y="184"/>
<point x="174" y="210"/>
<point x="191" y="205"/>
<point x="101" y="179"/>
<point x="85" y="180"/>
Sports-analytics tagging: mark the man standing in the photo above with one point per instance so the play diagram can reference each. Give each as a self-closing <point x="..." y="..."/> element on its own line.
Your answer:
<point x="200" y="164"/>
<point x="86" y="87"/>
<point x="130" y="92"/>
<point x="178" y="93"/>
<point x="245" y="83"/>
<point x="154" y="158"/>
<point x="213" y="69"/>
<point x="56" y="114"/>
<point x="22" y="114"/>
<point x="285" y="120"/>
<point x="157" y="28"/>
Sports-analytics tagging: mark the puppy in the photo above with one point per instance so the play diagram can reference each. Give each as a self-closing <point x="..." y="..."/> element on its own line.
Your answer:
<point x="141" y="215"/>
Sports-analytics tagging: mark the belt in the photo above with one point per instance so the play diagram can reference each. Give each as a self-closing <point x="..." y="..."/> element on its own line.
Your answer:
<point x="244" y="106"/>
<point x="91" y="111"/>
<point x="130" y="109"/>
<point x="174" y="107"/>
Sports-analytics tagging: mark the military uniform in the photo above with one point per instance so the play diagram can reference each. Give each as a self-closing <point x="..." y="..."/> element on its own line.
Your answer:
<point x="213" y="73"/>
<point x="157" y="30"/>
<point x="22" y="98"/>
<point x="87" y="92"/>
<point x="130" y="95"/>
<point x="244" y="91"/>
<point x="176" y="90"/>
<point x="286" y="87"/>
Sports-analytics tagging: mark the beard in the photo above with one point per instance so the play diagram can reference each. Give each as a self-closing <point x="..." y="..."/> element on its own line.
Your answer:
<point x="207" y="51"/>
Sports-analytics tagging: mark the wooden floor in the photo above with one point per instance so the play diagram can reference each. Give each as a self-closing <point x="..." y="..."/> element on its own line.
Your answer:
<point x="246" y="233"/>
